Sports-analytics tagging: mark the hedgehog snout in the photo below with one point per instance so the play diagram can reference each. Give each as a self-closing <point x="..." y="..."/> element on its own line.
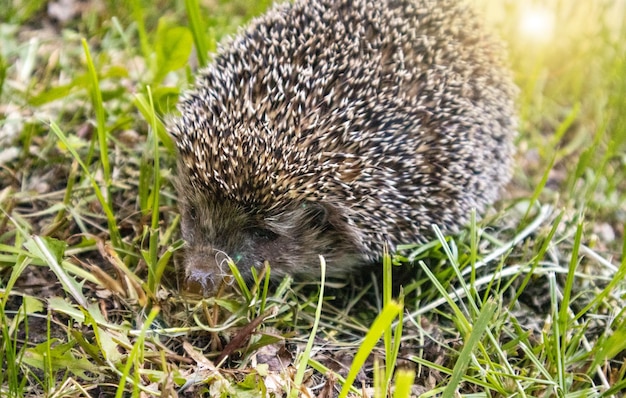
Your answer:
<point x="205" y="269"/>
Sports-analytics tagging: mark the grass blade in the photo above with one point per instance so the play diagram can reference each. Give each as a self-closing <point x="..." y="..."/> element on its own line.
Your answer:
<point x="306" y="355"/>
<point x="382" y="321"/>
<point x="472" y="341"/>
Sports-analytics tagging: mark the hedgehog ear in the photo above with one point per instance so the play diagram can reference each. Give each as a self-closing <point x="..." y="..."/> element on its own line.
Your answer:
<point x="317" y="213"/>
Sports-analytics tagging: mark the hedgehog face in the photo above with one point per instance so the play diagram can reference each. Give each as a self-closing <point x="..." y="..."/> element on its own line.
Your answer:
<point x="291" y="240"/>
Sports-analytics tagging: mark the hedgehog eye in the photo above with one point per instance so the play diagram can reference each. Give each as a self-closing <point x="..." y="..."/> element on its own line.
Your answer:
<point x="192" y="213"/>
<point x="263" y="233"/>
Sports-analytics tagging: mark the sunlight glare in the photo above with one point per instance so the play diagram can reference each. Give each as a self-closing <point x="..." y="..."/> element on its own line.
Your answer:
<point x="537" y="24"/>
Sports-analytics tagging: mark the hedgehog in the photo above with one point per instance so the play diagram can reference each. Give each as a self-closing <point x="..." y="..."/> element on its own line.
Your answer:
<point x="336" y="128"/>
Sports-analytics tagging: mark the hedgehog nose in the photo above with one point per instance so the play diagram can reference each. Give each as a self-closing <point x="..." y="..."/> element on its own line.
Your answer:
<point x="202" y="273"/>
<point x="199" y="281"/>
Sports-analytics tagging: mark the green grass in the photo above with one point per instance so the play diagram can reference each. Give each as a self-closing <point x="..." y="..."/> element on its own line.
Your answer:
<point x="527" y="302"/>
